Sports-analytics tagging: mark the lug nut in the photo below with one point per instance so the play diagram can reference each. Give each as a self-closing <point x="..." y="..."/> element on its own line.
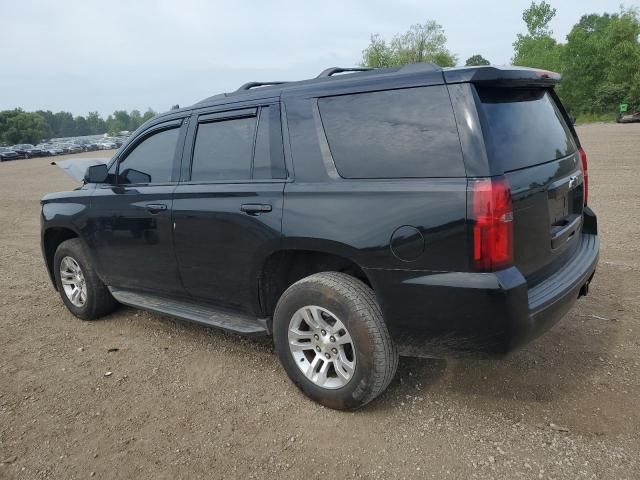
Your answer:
<point x="327" y="355"/>
<point x="333" y="339"/>
<point x="316" y="336"/>
<point x="334" y="350"/>
<point x="324" y="332"/>
<point x="317" y="349"/>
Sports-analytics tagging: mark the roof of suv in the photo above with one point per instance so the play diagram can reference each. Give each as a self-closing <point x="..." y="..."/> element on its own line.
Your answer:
<point x="523" y="76"/>
<point x="331" y="79"/>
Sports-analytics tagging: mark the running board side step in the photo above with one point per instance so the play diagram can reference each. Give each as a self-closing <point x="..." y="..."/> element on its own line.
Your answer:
<point x="193" y="312"/>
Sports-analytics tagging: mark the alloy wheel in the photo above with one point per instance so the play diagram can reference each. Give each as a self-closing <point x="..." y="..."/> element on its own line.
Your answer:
<point x="322" y="347"/>
<point x="73" y="281"/>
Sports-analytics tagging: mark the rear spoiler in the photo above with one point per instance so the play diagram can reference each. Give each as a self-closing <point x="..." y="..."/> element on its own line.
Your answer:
<point x="502" y="76"/>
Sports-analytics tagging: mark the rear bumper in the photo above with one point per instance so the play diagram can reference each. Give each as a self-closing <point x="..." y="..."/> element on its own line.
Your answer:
<point x="478" y="314"/>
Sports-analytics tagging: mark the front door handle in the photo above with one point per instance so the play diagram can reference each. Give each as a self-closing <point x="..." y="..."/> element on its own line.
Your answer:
<point x="156" y="207"/>
<point x="255" y="208"/>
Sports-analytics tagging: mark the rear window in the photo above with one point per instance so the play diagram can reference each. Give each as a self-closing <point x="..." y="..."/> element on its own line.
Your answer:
<point x="523" y="127"/>
<point x="393" y="134"/>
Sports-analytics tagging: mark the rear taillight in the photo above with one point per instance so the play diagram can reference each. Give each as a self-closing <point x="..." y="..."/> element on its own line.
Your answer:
<point x="585" y="174"/>
<point x="492" y="217"/>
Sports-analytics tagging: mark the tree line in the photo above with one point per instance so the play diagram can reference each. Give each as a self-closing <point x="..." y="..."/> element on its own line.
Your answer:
<point x="18" y="126"/>
<point x="599" y="62"/>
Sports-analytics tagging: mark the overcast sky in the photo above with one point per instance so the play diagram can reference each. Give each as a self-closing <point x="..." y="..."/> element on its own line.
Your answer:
<point x="83" y="55"/>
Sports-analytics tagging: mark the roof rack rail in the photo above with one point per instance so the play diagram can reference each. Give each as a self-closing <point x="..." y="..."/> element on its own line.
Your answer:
<point x="333" y="70"/>
<point x="421" y="67"/>
<point x="250" y="85"/>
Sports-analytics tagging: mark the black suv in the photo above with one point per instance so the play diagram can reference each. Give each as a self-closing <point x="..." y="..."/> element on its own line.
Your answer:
<point x="355" y="216"/>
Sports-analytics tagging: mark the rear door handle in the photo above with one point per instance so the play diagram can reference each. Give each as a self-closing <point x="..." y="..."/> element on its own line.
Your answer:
<point x="156" y="207"/>
<point x="255" y="208"/>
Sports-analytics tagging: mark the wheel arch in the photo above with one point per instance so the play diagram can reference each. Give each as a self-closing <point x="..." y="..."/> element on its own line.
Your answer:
<point x="52" y="237"/>
<point x="284" y="267"/>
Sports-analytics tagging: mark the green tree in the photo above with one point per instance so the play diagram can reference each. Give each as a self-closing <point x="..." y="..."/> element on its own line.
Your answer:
<point x="135" y="120"/>
<point x="22" y="127"/>
<point x="49" y="119"/>
<point x="148" y="115"/>
<point x="82" y="126"/>
<point x="537" y="48"/>
<point x="64" y="124"/>
<point x="476" y="59"/>
<point x="421" y="43"/>
<point x="537" y="18"/>
<point x="601" y="62"/>
<point x="96" y="123"/>
<point x="118" y="122"/>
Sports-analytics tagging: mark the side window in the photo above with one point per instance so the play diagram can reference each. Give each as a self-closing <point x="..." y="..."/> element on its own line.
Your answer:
<point x="408" y="133"/>
<point x="223" y="150"/>
<point x="268" y="162"/>
<point x="151" y="161"/>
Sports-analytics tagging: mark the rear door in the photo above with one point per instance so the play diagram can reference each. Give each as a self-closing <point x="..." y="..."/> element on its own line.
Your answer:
<point x="529" y="141"/>
<point x="227" y="210"/>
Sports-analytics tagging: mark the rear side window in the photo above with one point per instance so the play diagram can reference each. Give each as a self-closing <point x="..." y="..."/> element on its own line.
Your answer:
<point x="407" y="133"/>
<point x="223" y="150"/>
<point x="240" y="148"/>
<point x="523" y="127"/>
<point x="268" y="160"/>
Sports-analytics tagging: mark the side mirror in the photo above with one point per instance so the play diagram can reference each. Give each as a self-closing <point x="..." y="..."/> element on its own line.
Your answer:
<point x="96" y="174"/>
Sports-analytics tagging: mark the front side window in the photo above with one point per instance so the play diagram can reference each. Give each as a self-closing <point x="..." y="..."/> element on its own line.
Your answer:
<point x="151" y="161"/>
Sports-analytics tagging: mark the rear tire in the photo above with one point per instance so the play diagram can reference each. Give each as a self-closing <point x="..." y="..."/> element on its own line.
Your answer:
<point x="85" y="295"/>
<point x="347" y="311"/>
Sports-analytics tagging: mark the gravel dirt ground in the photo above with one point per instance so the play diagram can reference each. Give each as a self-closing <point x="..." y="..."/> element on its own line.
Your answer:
<point x="189" y="402"/>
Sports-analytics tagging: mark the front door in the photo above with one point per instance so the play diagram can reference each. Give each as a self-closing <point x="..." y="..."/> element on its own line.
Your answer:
<point x="227" y="213"/>
<point x="131" y="225"/>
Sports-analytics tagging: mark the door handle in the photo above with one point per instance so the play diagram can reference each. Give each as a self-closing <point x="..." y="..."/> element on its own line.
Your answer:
<point x="156" y="207"/>
<point x="255" y="208"/>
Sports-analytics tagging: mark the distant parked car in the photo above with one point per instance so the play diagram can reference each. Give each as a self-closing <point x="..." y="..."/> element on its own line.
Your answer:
<point x="85" y="144"/>
<point x="107" y="144"/>
<point x="26" y="150"/>
<point x="49" y="150"/>
<point x="90" y="147"/>
<point x="63" y="147"/>
<point x="73" y="148"/>
<point x="8" y="154"/>
<point x="35" y="152"/>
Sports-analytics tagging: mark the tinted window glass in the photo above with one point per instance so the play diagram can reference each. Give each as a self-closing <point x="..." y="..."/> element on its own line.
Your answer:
<point x="393" y="134"/>
<point x="152" y="160"/>
<point x="523" y="127"/>
<point x="268" y="162"/>
<point x="223" y="150"/>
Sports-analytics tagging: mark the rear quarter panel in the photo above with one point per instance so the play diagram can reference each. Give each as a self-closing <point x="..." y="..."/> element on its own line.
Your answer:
<point x="357" y="218"/>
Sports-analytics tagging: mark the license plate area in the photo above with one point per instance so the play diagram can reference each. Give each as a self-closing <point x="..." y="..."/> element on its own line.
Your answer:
<point x="565" y="208"/>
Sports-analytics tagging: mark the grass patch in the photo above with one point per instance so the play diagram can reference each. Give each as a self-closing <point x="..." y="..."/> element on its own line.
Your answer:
<point x="595" y="117"/>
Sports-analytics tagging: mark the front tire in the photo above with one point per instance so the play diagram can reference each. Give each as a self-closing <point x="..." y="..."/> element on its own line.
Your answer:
<point x="332" y="340"/>
<point x="82" y="292"/>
